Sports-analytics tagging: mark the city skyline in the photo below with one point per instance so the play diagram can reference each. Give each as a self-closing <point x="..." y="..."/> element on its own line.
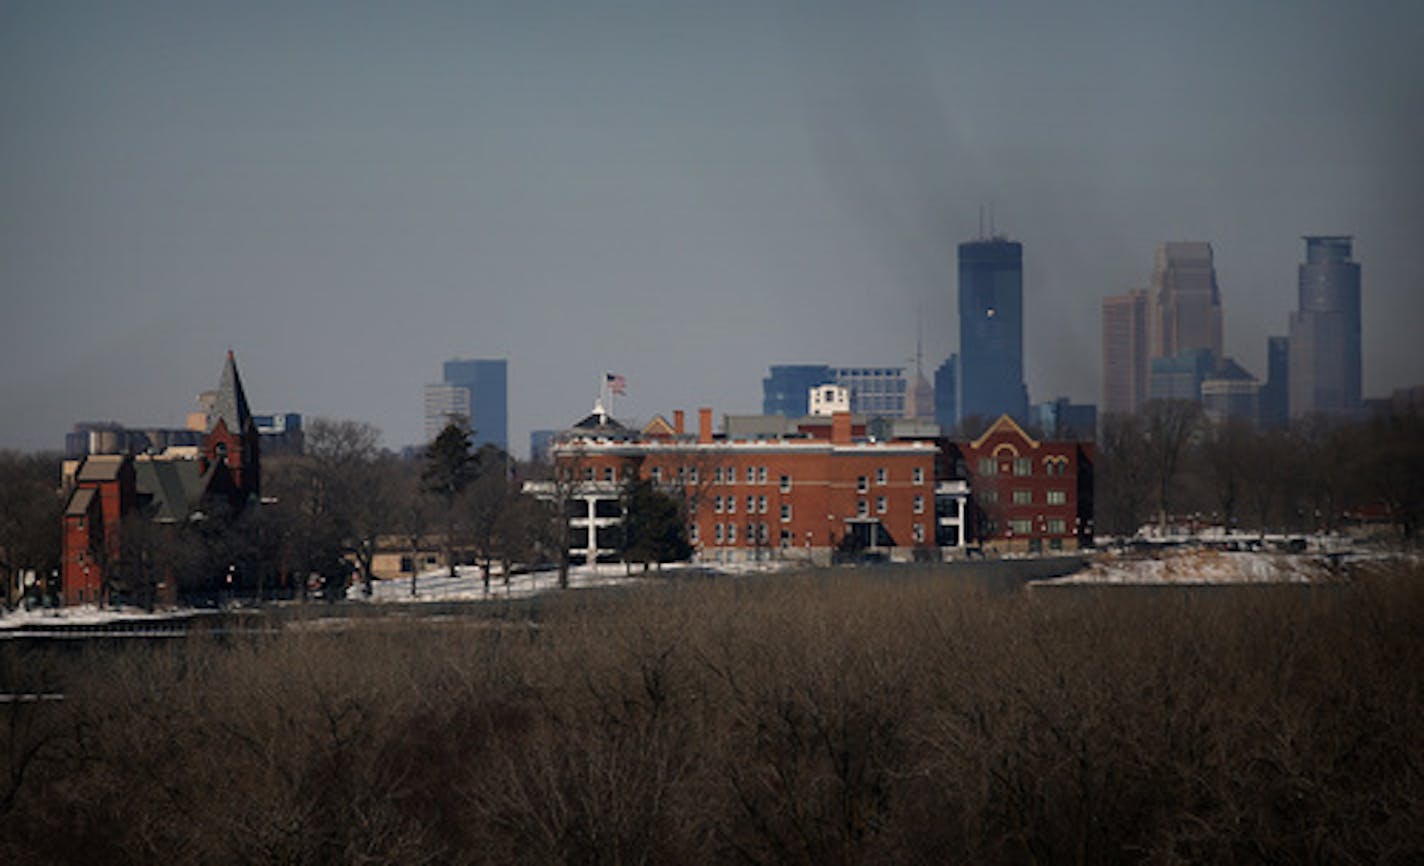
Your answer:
<point x="347" y="197"/>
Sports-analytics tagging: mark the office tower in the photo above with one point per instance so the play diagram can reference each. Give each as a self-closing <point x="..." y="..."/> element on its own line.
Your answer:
<point x="1231" y="392"/>
<point x="1325" y="331"/>
<point x="991" y="329"/>
<point x="1275" y="394"/>
<point x="475" y="390"/>
<point x="1186" y="303"/>
<point x="946" y="393"/>
<point x="1180" y="377"/>
<point x="874" y="391"/>
<point x="1125" y="352"/>
<point x="786" y="390"/>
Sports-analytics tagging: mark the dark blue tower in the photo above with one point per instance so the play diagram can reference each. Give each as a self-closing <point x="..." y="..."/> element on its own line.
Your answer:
<point x="488" y="384"/>
<point x="991" y="381"/>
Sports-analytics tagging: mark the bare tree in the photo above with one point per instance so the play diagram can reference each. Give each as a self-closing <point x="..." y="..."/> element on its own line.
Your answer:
<point x="1229" y="448"/>
<point x="1169" y="426"/>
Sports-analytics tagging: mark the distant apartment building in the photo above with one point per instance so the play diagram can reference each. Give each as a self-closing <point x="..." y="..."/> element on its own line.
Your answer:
<point x="991" y="344"/>
<point x="1325" y="342"/>
<point x="476" y="391"/>
<point x="1125" y="352"/>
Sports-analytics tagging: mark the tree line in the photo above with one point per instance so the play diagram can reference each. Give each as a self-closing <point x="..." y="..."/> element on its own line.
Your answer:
<point x="1170" y="463"/>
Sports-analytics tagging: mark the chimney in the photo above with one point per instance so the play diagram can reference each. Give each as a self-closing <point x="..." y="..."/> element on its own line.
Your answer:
<point x="679" y="418"/>
<point x="704" y="425"/>
<point x="840" y="428"/>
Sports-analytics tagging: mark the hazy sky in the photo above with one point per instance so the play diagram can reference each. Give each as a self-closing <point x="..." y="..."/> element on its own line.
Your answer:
<point x="350" y="193"/>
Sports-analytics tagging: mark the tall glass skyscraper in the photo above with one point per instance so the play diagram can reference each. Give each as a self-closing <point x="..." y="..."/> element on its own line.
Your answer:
<point x="477" y="390"/>
<point x="991" y="380"/>
<point x="1325" y="331"/>
<point x="787" y="390"/>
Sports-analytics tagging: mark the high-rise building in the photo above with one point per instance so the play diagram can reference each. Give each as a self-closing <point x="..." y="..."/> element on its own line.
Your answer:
<point x="874" y="391"/>
<point x="1275" y="394"/>
<point x="1125" y="356"/>
<point x="785" y="390"/>
<point x="478" y="392"/>
<point x="1186" y="302"/>
<point x="991" y="381"/>
<point x="1325" y="331"/>
<point x="946" y="392"/>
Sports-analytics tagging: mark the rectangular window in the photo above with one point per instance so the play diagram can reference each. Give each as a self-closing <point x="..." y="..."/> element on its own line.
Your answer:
<point x="751" y="474"/>
<point x="1023" y="466"/>
<point x="919" y="505"/>
<point x="763" y="533"/>
<point x="761" y="505"/>
<point x="588" y="473"/>
<point x="786" y="484"/>
<point x="608" y="473"/>
<point x="717" y="504"/>
<point x="1021" y="527"/>
<point x="990" y="497"/>
<point x="785" y="511"/>
<point x="717" y="476"/>
<point x="1023" y="497"/>
<point x="761" y="474"/>
<point x="692" y="534"/>
<point x="751" y="533"/>
<point x="657" y="474"/>
<point x="751" y="505"/>
<point x="881" y="476"/>
<point x="918" y="475"/>
<point x="880" y="505"/>
<point x="1057" y="526"/>
<point x="987" y="466"/>
<point x="861" y="484"/>
<point x="861" y="508"/>
<point x="692" y="475"/>
<point x="918" y="532"/>
<point x="731" y="533"/>
<point x="785" y="538"/>
<point x="1057" y="497"/>
<point x="731" y="505"/>
<point x="717" y="533"/>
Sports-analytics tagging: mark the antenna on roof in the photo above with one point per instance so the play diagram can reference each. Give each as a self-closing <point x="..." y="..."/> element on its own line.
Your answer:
<point x="992" y="232"/>
<point x="981" y="220"/>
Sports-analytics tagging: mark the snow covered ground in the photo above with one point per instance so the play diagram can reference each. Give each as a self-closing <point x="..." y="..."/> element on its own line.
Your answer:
<point x="1196" y="566"/>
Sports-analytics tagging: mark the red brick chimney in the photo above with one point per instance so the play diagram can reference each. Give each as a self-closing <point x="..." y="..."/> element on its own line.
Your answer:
<point x="704" y="425"/>
<point x="840" y="428"/>
<point x="679" y="418"/>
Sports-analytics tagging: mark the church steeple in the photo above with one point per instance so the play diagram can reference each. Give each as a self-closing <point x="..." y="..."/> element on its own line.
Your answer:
<point x="230" y="403"/>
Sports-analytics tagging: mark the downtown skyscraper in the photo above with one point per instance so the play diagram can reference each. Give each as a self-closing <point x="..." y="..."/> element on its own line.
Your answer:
<point x="1125" y="343"/>
<point x="991" y="365"/>
<point x="1325" y="369"/>
<point x="1186" y="303"/>
<point x="476" y="391"/>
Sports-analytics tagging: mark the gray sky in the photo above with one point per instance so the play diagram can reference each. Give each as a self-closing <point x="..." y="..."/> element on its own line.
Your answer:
<point x="347" y="194"/>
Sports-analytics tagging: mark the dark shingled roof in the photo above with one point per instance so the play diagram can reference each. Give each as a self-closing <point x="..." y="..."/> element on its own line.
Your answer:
<point x="231" y="402"/>
<point x="173" y="487"/>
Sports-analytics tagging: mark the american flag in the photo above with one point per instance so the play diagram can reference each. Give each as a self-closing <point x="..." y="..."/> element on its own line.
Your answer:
<point x="616" y="384"/>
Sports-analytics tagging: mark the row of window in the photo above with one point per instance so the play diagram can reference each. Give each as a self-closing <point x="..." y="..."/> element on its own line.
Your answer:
<point x="1052" y="526"/>
<point x="760" y="533"/>
<point x="1025" y="497"/>
<point x="1023" y="466"/>
<point x="754" y="475"/>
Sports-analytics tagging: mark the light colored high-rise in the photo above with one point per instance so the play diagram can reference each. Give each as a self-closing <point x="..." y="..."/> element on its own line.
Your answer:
<point x="1125" y="352"/>
<point x="1325" y="331"/>
<point x="1186" y="303"/>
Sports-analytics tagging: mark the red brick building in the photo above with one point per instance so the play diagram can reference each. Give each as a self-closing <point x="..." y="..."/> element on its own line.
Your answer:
<point x="1027" y="495"/>
<point x="804" y="495"/>
<point x="108" y="491"/>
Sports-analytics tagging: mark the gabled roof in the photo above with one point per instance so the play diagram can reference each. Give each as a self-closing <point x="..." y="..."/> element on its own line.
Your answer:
<point x="230" y="403"/>
<point x="100" y="467"/>
<point x="173" y="487"/>
<point x="1005" y="424"/>
<point x="659" y="427"/>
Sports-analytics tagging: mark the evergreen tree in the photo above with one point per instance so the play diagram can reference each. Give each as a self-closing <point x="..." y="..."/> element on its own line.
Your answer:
<point x="654" y="530"/>
<point x="450" y="467"/>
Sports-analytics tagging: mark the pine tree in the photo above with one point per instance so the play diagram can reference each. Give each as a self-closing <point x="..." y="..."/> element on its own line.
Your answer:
<point x="450" y="467"/>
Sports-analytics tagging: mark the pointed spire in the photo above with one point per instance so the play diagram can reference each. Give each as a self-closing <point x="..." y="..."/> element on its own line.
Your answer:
<point x="231" y="402"/>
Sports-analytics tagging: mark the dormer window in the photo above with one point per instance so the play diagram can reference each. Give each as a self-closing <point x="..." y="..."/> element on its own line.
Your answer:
<point x="220" y="451"/>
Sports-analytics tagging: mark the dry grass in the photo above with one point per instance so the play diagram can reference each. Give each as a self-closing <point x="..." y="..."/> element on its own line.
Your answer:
<point x="822" y="719"/>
